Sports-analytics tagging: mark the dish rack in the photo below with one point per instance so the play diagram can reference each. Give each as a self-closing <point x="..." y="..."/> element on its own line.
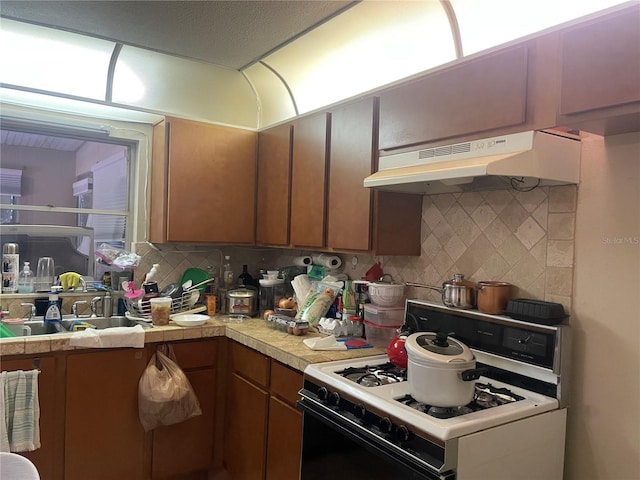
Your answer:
<point x="142" y="308"/>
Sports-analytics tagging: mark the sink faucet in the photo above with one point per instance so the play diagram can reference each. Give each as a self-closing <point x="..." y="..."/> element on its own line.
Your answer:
<point x="94" y="302"/>
<point x="32" y="311"/>
<point x="74" y="307"/>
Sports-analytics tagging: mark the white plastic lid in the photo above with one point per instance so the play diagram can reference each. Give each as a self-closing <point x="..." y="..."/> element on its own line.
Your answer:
<point x="270" y="282"/>
<point x="429" y="348"/>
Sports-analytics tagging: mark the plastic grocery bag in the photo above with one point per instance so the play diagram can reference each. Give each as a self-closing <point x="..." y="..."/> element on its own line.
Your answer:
<point x="165" y="395"/>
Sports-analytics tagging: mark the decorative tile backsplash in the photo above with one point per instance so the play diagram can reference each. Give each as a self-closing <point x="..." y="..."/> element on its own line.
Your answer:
<point x="524" y="238"/>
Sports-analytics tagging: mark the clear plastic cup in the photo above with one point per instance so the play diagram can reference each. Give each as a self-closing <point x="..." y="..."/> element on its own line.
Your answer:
<point x="160" y="310"/>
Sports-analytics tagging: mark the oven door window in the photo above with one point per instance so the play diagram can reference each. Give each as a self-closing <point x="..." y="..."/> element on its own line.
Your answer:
<point x="331" y="450"/>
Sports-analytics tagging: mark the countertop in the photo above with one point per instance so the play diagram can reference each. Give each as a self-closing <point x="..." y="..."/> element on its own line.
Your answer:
<point x="254" y="333"/>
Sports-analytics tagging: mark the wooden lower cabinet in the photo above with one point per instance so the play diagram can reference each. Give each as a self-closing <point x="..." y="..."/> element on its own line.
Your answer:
<point x="263" y="428"/>
<point x="103" y="437"/>
<point x="184" y="451"/>
<point x="50" y="394"/>
<point x="247" y="407"/>
<point x="284" y="442"/>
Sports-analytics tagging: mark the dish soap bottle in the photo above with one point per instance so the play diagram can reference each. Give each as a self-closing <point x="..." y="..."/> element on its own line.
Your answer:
<point x="25" y="279"/>
<point x="53" y="315"/>
<point x="227" y="274"/>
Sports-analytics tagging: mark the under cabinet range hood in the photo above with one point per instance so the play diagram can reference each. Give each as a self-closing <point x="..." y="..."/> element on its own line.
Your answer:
<point x="520" y="161"/>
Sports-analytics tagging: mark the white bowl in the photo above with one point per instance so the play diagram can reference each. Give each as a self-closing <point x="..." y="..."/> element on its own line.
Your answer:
<point x="190" y="319"/>
<point x="386" y="294"/>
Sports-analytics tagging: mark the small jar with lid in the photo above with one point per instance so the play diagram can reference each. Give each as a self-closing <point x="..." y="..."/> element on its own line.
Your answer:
<point x="355" y="328"/>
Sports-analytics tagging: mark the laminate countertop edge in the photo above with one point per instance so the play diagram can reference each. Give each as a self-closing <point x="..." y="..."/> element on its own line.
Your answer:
<point x="253" y="333"/>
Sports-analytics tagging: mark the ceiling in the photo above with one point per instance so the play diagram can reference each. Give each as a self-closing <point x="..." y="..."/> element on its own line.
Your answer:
<point x="232" y="34"/>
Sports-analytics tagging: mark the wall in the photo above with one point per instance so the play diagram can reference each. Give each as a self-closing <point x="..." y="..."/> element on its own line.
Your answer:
<point x="604" y="416"/>
<point x="46" y="179"/>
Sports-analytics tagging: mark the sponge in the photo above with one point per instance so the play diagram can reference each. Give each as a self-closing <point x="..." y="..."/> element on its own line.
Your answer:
<point x="78" y="326"/>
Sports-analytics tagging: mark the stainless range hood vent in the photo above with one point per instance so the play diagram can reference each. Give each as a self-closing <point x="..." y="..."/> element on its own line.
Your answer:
<point x="520" y="161"/>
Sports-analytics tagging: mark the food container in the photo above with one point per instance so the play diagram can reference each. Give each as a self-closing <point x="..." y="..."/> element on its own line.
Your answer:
<point x="243" y="301"/>
<point x="386" y="294"/>
<point x="160" y="310"/>
<point x="271" y="291"/>
<point x="492" y="297"/>
<point x="384" y="316"/>
<point x="379" y="336"/>
<point x="440" y="370"/>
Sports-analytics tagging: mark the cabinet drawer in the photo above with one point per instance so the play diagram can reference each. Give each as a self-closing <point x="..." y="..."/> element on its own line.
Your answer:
<point x="250" y="364"/>
<point x="285" y="382"/>
<point x="196" y="354"/>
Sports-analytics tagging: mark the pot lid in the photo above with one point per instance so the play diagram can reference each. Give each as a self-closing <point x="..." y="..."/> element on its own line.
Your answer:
<point x="241" y="293"/>
<point x="438" y="348"/>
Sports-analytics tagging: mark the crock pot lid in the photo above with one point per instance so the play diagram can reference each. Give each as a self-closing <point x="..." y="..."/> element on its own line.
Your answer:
<point x="241" y="293"/>
<point x="440" y="347"/>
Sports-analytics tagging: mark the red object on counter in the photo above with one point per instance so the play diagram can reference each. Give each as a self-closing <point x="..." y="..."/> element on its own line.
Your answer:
<point x="374" y="273"/>
<point x="397" y="353"/>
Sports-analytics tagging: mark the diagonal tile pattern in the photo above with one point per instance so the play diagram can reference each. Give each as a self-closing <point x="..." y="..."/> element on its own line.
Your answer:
<point x="524" y="238"/>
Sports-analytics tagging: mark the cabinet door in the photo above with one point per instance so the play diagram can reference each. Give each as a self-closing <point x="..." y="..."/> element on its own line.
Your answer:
<point x="209" y="180"/>
<point x="284" y="444"/>
<point x="308" y="187"/>
<point x="103" y="436"/>
<point x="351" y="160"/>
<point x="185" y="450"/>
<point x="601" y="66"/>
<point x="476" y="95"/>
<point x="46" y="458"/>
<point x="274" y="186"/>
<point x="245" y="430"/>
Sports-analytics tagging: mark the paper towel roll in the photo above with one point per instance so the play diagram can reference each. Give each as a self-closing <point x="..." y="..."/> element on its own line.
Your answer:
<point x="328" y="261"/>
<point x="302" y="261"/>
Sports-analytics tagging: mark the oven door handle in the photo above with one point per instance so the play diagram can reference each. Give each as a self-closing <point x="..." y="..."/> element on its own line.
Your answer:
<point x="367" y="439"/>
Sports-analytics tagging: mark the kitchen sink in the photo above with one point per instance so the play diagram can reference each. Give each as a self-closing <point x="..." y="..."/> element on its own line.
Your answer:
<point x="38" y="326"/>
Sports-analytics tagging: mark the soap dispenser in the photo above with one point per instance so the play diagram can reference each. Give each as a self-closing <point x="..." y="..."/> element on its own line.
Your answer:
<point x="25" y="279"/>
<point x="53" y="315"/>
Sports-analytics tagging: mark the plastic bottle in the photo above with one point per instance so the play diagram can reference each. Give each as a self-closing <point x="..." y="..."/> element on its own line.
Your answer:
<point x="25" y="279"/>
<point x="245" y="278"/>
<point x="53" y="315"/>
<point x="227" y="274"/>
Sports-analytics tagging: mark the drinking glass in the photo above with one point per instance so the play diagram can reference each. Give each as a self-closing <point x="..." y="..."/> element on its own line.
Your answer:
<point x="45" y="274"/>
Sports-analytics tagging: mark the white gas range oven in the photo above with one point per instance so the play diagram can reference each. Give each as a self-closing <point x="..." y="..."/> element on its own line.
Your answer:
<point x="361" y="423"/>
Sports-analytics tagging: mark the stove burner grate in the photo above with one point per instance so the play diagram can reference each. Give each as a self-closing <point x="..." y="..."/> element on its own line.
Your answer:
<point x="374" y="375"/>
<point x="486" y="396"/>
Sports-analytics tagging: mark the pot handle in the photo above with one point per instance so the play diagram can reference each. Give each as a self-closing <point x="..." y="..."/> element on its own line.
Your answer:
<point x="472" y="374"/>
<point x="422" y="285"/>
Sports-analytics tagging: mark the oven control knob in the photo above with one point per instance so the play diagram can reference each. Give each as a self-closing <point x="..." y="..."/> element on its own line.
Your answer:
<point x="359" y="411"/>
<point x="402" y="433"/>
<point x="322" y="393"/>
<point x="385" y="425"/>
<point x="334" y="398"/>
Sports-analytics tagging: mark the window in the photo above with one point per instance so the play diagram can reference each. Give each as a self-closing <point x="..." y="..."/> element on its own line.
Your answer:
<point x="72" y="195"/>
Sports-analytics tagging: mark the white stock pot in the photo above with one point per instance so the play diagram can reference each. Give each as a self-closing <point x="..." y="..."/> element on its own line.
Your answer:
<point x="440" y="370"/>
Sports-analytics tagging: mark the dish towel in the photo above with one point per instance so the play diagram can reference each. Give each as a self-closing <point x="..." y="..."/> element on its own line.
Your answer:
<point x="109" y="338"/>
<point x="19" y="411"/>
<point x="70" y="280"/>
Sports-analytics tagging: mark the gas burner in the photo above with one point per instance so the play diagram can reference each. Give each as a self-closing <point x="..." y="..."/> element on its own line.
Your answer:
<point x="486" y="396"/>
<point x="374" y="375"/>
<point x="448" y="412"/>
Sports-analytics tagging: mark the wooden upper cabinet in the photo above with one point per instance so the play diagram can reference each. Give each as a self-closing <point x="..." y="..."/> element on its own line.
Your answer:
<point x="308" y="180"/>
<point x="482" y="94"/>
<point x="351" y="160"/>
<point x="358" y="217"/>
<point x="601" y="73"/>
<point x="203" y="183"/>
<point x="274" y="186"/>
